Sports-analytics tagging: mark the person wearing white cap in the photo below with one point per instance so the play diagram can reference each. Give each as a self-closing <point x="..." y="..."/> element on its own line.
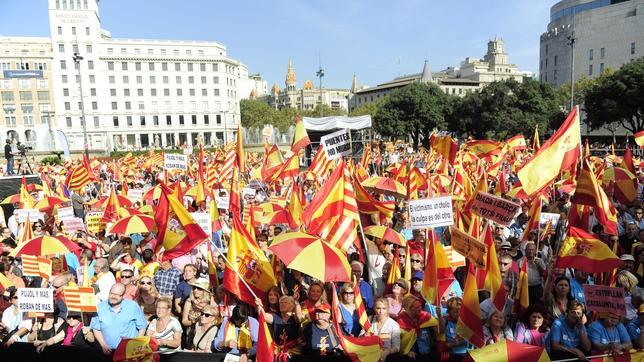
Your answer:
<point x="628" y="262"/>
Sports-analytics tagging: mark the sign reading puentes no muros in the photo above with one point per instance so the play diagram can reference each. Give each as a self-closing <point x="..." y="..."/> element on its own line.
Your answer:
<point x="337" y="144"/>
<point x="431" y="213"/>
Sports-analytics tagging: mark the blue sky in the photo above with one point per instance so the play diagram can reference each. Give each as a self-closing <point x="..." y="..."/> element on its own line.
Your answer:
<point x="375" y="39"/>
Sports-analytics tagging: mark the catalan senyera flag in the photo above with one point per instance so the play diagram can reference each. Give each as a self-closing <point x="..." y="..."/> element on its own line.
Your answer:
<point x="234" y="203"/>
<point x="36" y="266"/>
<point x="321" y="163"/>
<point x="250" y="263"/>
<point x="300" y="138"/>
<point x="357" y="349"/>
<point x="589" y="192"/>
<point x="581" y="250"/>
<point x="517" y="143"/>
<point x="416" y="181"/>
<point x="522" y="295"/>
<point x="639" y="138"/>
<point x="239" y="150"/>
<point x="80" y="299"/>
<point x="558" y="154"/>
<point x="80" y="176"/>
<point x="469" y="324"/>
<point x="178" y="232"/>
<point x="272" y="163"/>
<point x="445" y="146"/>
<point x="265" y="344"/>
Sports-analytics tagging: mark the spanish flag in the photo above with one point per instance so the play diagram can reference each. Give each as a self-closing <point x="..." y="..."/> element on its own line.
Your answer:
<point x="493" y="281"/>
<point x="410" y="329"/>
<point x="367" y="204"/>
<point x="590" y="193"/>
<point x="178" y="231"/>
<point x="469" y="324"/>
<point x="290" y="168"/>
<point x="639" y="138"/>
<point x="627" y="161"/>
<point x="558" y="154"/>
<point x="241" y="156"/>
<point x="522" y="296"/>
<point x="265" y="344"/>
<point x="484" y="148"/>
<point x="272" y="163"/>
<point x="437" y="268"/>
<point x="296" y="205"/>
<point x="26" y="200"/>
<point x="300" y="138"/>
<point x="517" y="143"/>
<point x="536" y="144"/>
<point x="250" y="263"/>
<point x="534" y="214"/>
<point x="584" y="251"/>
<point x="201" y="181"/>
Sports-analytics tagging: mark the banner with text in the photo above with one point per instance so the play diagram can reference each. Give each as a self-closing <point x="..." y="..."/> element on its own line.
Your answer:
<point x="548" y="216"/>
<point x="33" y="214"/>
<point x="337" y="144"/>
<point x="73" y="224"/>
<point x="135" y="194"/>
<point x="495" y="208"/>
<point x="94" y="223"/>
<point x="603" y="299"/>
<point x="65" y="213"/>
<point x="175" y="162"/>
<point x="431" y="213"/>
<point x="468" y="246"/>
<point x="36" y="300"/>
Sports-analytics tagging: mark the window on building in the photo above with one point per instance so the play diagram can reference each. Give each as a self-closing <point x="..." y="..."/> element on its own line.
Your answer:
<point x="155" y="120"/>
<point x="137" y="65"/>
<point x="153" y="79"/>
<point x="216" y="92"/>
<point x="142" y="120"/>
<point x="92" y="92"/>
<point x="164" y="67"/>
<point x="191" y="80"/>
<point x="546" y="64"/>
<point x="203" y="80"/>
<point x="141" y="106"/>
<point x="61" y="48"/>
<point x="112" y="79"/>
<point x="194" y="119"/>
<point x="591" y="53"/>
<point x="602" y="53"/>
<point x="218" y="119"/>
<point x="190" y="67"/>
<point x="633" y="48"/>
<point x="555" y="61"/>
<point x="75" y="48"/>
<point x="166" y="79"/>
<point x="139" y="79"/>
<point x="126" y="92"/>
<point x="129" y="121"/>
<point x="126" y="79"/>
<point x="166" y="92"/>
<point x="68" y="121"/>
<point x="60" y="28"/>
<point x="177" y="67"/>
<point x="204" y="92"/>
<point x="151" y="66"/>
<point x="179" y="92"/>
<point x="90" y="64"/>
<point x="215" y="80"/>
<point x="601" y="68"/>
<point x="168" y="120"/>
<point x="95" y="106"/>
<point x="66" y="92"/>
<point x="153" y="92"/>
<point x="110" y="65"/>
<point x="590" y="69"/>
<point x="63" y="64"/>
<point x="110" y="50"/>
<point x="88" y="48"/>
<point x="97" y="123"/>
<point x="87" y="27"/>
<point x="181" y="122"/>
<point x="73" y="27"/>
<point x="43" y="95"/>
<point x="555" y="75"/>
<point x="92" y="78"/>
<point x="113" y="92"/>
<point x="206" y="120"/>
<point x="68" y="106"/>
<point x="202" y="67"/>
<point x="192" y="92"/>
<point x="215" y="67"/>
<point x="123" y="65"/>
<point x="139" y="92"/>
<point x="178" y="79"/>
<point x="123" y="51"/>
<point x="114" y="106"/>
<point x="128" y="105"/>
<point x="115" y="119"/>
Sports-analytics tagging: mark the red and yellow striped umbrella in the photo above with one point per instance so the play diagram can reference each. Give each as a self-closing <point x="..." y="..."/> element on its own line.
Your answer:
<point x="128" y="211"/>
<point x="311" y="255"/>
<point x="47" y="203"/>
<point x="12" y="199"/>
<point x="386" y="233"/>
<point x="45" y="245"/>
<point x="102" y="202"/>
<point x="385" y="185"/>
<point x="133" y="224"/>
<point x="152" y="194"/>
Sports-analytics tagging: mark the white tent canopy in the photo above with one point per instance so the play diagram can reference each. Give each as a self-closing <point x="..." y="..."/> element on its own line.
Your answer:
<point x="337" y="122"/>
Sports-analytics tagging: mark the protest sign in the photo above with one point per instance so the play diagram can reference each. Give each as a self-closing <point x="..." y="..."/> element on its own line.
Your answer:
<point x="337" y="144"/>
<point x="247" y="191"/>
<point x="431" y="213"/>
<point x="203" y="219"/>
<point x="548" y="216"/>
<point x="94" y="223"/>
<point x="73" y="224"/>
<point x="65" y="213"/>
<point x="474" y="250"/>
<point x="223" y="202"/>
<point x="495" y="208"/>
<point x="455" y="259"/>
<point x="175" y="162"/>
<point x="36" y="300"/>
<point x="603" y="299"/>
<point x="135" y="194"/>
<point x="80" y="299"/>
<point x="187" y="151"/>
<point x="34" y="215"/>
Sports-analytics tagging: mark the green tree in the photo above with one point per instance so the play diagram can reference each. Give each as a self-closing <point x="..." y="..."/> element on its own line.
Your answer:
<point x="412" y="111"/>
<point x="618" y="98"/>
<point x="368" y="108"/>
<point x="256" y="113"/>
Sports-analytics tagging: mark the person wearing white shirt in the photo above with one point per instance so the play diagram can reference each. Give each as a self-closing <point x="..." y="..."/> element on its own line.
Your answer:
<point x="386" y="328"/>
<point x="104" y="279"/>
<point x="12" y="223"/>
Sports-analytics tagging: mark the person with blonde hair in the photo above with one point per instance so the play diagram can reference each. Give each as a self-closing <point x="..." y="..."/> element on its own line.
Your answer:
<point x="146" y="296"/>
<point x="285" y="324"/>
<point x="199" y="298"/>
<point x="165" y="328"/>
<point x="418" y="330"/>
<point x="383" y="326"/>
<point x="205" y="329"/>
<point x="315" y="296"/>
<point x="496" y="329"/>
<point x="348" y="317"/>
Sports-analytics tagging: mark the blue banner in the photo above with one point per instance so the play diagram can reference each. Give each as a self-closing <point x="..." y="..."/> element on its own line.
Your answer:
<point x="22" y="73"/>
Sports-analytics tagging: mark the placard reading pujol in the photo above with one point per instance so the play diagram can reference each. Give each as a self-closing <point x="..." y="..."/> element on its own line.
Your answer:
<point x="175" y="162"/>
<point x="431" y="213"/>
<point x="36" y="300"/>
<point x="495" y="208"/>
<point x="337" y="144"/>
<point x="474" y="250"/>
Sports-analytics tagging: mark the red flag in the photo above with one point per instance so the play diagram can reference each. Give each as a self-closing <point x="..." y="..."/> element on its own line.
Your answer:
<point x="265" y="344"/>
<point x="469" y="325"/>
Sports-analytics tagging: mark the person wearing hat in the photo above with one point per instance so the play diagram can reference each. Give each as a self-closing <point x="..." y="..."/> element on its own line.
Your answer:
<point x="609" y="335"/>
<point x="628" y="262"/>
<point x="319" y="336"/>
<point x="199" y="298"/>
<point x="398" y="292"/>
<point x="635" y="327"/>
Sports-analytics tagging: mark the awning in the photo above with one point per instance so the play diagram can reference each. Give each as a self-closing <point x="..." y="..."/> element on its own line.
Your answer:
<point x="337" y="122"/>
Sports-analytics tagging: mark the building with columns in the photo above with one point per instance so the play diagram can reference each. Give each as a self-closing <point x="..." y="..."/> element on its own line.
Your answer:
<point x="473" y="74"/>
<point x="307" y="97"/>
<point x="139" y="93"/>
<point x="26" y="96"/>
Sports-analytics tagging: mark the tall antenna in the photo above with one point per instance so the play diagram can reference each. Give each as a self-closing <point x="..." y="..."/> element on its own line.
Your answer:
<point x="320" y="74"/>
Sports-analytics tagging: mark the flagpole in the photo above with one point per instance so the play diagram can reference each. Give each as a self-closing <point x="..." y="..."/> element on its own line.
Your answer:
<point x="235" y="270"/>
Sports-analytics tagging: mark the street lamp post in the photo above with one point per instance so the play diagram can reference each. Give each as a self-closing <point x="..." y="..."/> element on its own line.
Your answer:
<point x="571" y="42"/>
<point x="77" y="58"/>
<point x="320" y="74"/>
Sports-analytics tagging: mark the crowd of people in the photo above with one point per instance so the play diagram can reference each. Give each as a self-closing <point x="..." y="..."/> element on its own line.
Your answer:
<point x="185" y="306"/>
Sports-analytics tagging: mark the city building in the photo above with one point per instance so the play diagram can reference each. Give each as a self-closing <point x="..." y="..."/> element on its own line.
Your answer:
<point x="138" y="93"/>
<point x="306" y="98"/>
<point x="607" y="34"/>
<point x="27" y="102"/>
<point x="473" y="74"/>
<point x="253" y="86"/>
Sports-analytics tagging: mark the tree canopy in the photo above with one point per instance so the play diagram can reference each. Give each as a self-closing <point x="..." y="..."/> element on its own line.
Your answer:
<point x="257" y="113"/>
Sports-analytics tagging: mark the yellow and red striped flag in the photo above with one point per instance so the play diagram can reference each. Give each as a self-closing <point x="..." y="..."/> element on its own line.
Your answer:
<point x="363" y="318"/>
<point x="178" y="232"/>
<point x="522" y="296"/>
<point x="230" y="160"/>
<point x="445" y="146"/>
<point x="627" y="160"/>
<point x="80" y="176"/>
<point x="80" y="299"/>
<point x="201" y="178"/>
<point x="437" y="267"/>
<point x="492" y="277"/>
<point x="251" y="264"/>
<point x="367" y="204"/>
<point x="410" y="329"/>
<point x="241" y="156"/>
<point x="296" y="205"/>
<point x="272" y="163"/>
<point x="581" y="250"/>
<point x="36" y="266"/>
<point x="321" y="163"/>
<point x="536" y="144"/>
<point x="533" y="222"/>
<point x="234" y="203"/>
<point x="590" y="193"/>
<point x="5" y="282"/>
<point x="558" y="154"/>
<point x="469" y="325"/>
<point x="290" y="168"/>
<point x="26" y="200"/>
<point x="110" y="213"/>
<point x="300" y="138"/>
<point x="639" y="138"/>
<point x="484" y="148"/>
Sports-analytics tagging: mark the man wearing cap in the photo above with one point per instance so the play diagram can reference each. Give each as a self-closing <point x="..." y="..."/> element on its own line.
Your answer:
<point x="628" y="262"/>
<point x="319" y="336"/>
<point x="609" y="335"/>
<point x="635" y="327"/>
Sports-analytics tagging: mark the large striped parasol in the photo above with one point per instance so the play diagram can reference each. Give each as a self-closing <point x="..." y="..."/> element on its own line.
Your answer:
<point x="385" y="185"/>
<point x="45" y="245"/>
<point x="48" y="203"/>
<point x="312" y="255"/>
<point x="386" y="233"/>
<point x="133" y="224"/>
<point x="102" y="202"/>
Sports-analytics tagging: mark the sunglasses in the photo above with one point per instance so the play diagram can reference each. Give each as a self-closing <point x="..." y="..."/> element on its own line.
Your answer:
<point x="348" y="293"/>
<point x="126" y="276"/>
<point x="399" y="285"/>
<point x="416" y="261"/>
<point x="505" y="264"/>
<point x="74" y="317"/>
<point x="207" y="315"/>
<point x="145" y="283"/>
<point x="14" y="297"/>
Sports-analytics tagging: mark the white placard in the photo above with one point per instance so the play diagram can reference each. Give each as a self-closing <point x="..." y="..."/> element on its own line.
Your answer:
<point x="203" y="219"/>
<point x="34" y="215"/>
<point x="135" y="194"/>
<point x="337" y="144"/>
<point x="36" y="300"/>
<point x="248" y="191"/>
<point x="73" y="224"/>
<point x="223" y="202"/>
<point x="175" y="162"/>
<point x="431" y="213"/>
<point x="548" y="216"/>
<point x="65" y="213"/>
<point x="187" y="151"/>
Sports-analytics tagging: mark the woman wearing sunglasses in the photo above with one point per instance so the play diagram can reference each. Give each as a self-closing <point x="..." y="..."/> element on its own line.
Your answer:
<point x="77" y="334"/>
<point x="147" y="296"/>
<point x="205" y="329"/>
